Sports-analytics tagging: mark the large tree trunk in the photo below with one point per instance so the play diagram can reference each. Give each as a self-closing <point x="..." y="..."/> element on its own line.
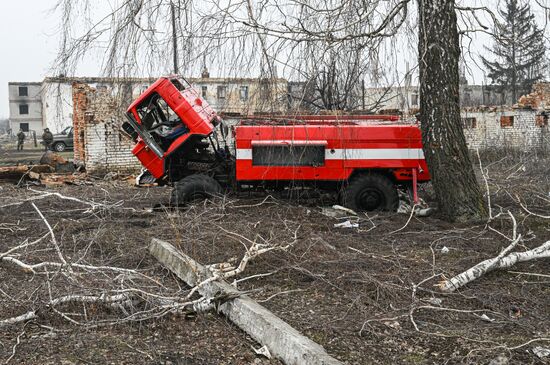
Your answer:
<point x="453" y="178"/>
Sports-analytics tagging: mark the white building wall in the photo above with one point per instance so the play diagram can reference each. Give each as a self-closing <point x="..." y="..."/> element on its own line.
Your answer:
<point x="33" y="101"/>
<point x="108" y="150"/>
<point x="524" y="135"/>
<point x="57" y="105"/>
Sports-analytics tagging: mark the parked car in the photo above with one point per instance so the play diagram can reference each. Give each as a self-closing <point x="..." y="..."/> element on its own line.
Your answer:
<point x="63" y="140"/>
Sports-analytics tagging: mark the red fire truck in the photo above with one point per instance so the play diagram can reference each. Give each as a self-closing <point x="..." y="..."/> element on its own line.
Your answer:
<point x="181" y="140"/>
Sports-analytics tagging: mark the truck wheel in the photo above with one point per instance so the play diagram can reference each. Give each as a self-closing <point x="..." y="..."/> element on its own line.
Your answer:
<point x="59" y="147"/>
<point x="370" y="192"/>
<point x="194" y="187"/>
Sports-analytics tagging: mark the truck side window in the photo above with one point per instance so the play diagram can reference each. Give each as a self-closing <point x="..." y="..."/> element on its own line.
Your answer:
<point x="288" y="155"/>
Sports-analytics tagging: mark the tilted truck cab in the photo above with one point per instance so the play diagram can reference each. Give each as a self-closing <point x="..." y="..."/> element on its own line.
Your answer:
<point x="180" y="139"/>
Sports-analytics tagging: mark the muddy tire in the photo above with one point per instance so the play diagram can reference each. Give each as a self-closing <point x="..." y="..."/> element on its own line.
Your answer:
<point x="194" y="187"/>
<point x="370" y="192"/>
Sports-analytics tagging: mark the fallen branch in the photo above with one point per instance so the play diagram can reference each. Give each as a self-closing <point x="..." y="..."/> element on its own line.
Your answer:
<point x="54" y="241"/>
<point x="93" y="205"/>
<point x="18" y="319"/>
<point x="502" y="261"/>
<point x="23" y="245"/>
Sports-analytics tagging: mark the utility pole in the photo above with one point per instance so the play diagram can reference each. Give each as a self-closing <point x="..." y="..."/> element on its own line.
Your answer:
<point x="174" y="38"/>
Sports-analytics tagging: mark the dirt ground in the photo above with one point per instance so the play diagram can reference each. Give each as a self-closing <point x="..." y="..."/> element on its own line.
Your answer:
<point x="368" y="295"/>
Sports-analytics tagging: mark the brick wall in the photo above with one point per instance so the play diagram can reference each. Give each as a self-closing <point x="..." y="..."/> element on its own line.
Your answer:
<point x="97" y="117"/>
<point x="492" y="129"/>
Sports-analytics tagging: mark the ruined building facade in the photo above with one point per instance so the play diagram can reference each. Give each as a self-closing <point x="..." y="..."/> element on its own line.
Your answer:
<point x="96" y="106"/>
<point x="98" y="140"/>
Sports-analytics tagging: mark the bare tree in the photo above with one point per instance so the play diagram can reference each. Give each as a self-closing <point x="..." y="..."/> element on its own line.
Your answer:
<point x="445" y="149"/>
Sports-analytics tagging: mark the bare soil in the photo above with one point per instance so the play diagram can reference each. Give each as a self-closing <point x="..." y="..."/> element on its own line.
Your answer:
<point x="359" y="292"/>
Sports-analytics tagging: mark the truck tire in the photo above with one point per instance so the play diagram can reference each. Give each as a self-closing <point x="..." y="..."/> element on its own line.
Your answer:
<point x="194" y="187"/>
<point x="59" y="147"/>
<point x="369" y="192"/>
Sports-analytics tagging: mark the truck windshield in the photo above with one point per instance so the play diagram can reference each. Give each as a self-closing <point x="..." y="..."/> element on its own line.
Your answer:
<point x="155" y="113"/>
<point x="160" y="122"/>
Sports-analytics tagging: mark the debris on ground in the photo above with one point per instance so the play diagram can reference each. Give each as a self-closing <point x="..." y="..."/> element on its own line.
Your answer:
<point x="346" y="224"/>
<point x="337" y="211"/>
<point x="16" y="173"/>
<point x="262" y="351"/>
<point x="57" y="162"/>
<point x="541" y="352"/>
<point x="367" y="295"/>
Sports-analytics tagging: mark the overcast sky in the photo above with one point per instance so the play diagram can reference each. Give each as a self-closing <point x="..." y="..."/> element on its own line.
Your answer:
<point x="29" y="34"/>
<point x="30" y="40"/>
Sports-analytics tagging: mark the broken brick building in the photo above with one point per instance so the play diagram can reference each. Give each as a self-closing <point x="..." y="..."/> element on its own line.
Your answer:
<point x="98" y="141"/>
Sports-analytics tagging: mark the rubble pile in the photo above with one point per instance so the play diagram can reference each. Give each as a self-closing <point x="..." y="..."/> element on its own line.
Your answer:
<point x="538" y="99"/>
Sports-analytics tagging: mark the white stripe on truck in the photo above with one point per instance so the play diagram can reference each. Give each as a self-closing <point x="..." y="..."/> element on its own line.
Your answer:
<point x="357" y="154"/>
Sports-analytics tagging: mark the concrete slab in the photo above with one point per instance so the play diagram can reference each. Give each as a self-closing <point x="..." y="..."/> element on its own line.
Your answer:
<point x="283" y="341"/>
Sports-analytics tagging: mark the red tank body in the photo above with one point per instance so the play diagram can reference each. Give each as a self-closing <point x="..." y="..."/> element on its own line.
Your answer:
<point x="343" y="146"/>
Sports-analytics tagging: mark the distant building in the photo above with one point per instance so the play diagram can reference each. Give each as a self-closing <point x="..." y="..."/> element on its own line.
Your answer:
<point x="406" y="99"/>
<point x="25" y="99"/>
<point x="243" y="96"/>
<point x="37" y="105"/>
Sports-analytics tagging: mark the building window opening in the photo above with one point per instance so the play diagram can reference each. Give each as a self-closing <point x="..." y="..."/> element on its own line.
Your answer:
<point x="222" y="92"/>
<point x="244" y="93"/>
<point x="469" y="123"/>
<point x="506" y="121"/>
<point x="23" y="109"/>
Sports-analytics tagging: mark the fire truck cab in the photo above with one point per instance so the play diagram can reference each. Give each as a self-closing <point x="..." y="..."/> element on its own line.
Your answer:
<point x="181" y="140"/>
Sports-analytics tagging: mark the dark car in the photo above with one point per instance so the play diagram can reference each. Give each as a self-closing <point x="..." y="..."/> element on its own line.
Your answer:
<point x="63" y="140"/>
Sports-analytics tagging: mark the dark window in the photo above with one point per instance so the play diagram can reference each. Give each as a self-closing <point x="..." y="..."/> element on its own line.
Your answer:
<point x="467" y="98"/>
<point x="244" y="93"/>
<point x="177" y="83"/>
<point x="541" y="120"/>
<point x="469" y="122"/>
<point x="204" y="91"/>
<point x="506" y="121"/>
<point x="288" y="155"/>
<point x="414" y="100"/>
<point x="23" y="91"/>
<point x="155" y="113"/>
<point x="23" y="109"/>
<point x="24" y="127"/>
<point x="221" y="92"/>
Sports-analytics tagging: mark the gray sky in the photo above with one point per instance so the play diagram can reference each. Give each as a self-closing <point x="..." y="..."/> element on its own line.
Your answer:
<point x="30" y="40"/>
<point x="29" y="44"/>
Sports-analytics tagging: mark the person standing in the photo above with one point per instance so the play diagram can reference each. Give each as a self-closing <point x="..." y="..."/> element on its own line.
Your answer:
<point x="20" y="140"/>
<point x="47" y="137"/>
